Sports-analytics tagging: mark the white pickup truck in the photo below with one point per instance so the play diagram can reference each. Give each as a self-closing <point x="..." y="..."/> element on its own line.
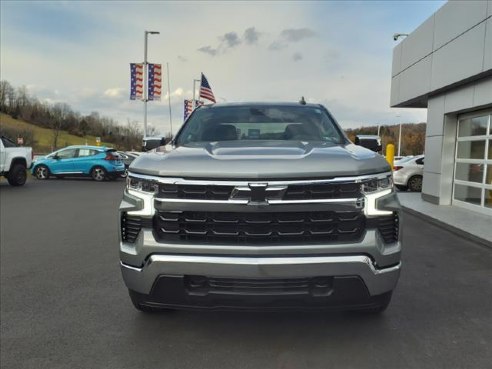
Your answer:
<point x="14" y="161"/>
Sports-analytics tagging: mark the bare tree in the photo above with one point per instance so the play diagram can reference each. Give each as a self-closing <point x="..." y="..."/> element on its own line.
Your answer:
<point x="60" y="112"/>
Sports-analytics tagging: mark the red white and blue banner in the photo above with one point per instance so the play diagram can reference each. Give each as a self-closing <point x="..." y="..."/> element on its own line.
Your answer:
<point x="188" y="107"/>
<point x="136" y="78"/>
<point x="154" y="82"/>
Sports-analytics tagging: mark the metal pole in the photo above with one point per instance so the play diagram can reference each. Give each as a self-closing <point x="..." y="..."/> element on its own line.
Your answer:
<point x="169" y="99"/>
<point x="145" y="77"/>
<point x="399" y="142"/>
<point x="145" y="84"/>
<point x="194" y="91"/>
<point x="379" y="127"/>
<point x="193" y="102"/>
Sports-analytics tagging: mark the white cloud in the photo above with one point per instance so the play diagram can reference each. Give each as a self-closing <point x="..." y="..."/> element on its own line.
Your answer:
<point x="113" y="92"/>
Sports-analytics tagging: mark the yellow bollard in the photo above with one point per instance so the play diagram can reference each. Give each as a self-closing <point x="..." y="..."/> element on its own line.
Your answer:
<point x="390" y="154"/>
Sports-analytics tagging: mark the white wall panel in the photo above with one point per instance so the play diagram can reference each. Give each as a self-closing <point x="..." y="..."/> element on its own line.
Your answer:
<point x="455" y="17"/>
<point x="435" y="116"/>
<point x="415" y="81"/>
<point x="396" y="66"/>
<point x="430" y="185"/>
<point x="483" y="93"/>
<point x="395" y="90"/>
<point x="459" y="59"/>
<point x="487" y="59"/>
<point x="459" y="99"/>
<point x="418" y="44"/>
<point x="433" y="156"/>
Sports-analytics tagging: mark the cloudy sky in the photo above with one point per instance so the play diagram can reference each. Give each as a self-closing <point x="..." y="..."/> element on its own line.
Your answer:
<point x="335" y="53"/>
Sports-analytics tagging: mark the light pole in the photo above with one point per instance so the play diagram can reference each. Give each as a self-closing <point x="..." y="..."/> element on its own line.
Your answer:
<point x="145" y="82"/>
<point x="399" y="137"/>
<point x="194" y="89"/>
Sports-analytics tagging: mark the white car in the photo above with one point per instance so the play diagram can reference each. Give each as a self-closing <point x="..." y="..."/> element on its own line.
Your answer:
<point x="408" y="173"/>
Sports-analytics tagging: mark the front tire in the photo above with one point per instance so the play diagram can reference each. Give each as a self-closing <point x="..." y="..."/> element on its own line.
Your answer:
<point x="415" y="183"/>
<point x="42" y="172"/>
<point x="98" y="174"/>
<point x="17" y="175"/>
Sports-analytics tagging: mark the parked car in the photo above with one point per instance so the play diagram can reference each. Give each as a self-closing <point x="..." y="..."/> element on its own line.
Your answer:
<point x="402" y="159"/>
<point x="408" y="174"/>
<point x="14" y="161"/>
<point x="370" y="142"/>
<point x="260" y="206"/>
<point x="127" y="158"/>
<point x="98" y="162"/>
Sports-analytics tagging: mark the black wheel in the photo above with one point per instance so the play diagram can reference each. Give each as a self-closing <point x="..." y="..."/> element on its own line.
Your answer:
<point x="415" y="183"/>
<point x="98" y="174"/>
<point x="42" y="172"/>
<point x="382" y="303"/>
<point x="17" y="175"/>
<point x="138" y="302"/>
<point x="401" y="188"/>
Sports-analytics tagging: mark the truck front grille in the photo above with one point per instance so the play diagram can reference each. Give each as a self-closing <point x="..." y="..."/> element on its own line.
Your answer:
<point x="292" y="286"/>
<point x="195" y="192"/>
<point x="308" y="191"/>
<point x="260" y="228"/>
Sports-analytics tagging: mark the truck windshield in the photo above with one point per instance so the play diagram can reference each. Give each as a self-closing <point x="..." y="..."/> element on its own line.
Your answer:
<point x="230" y="123"/>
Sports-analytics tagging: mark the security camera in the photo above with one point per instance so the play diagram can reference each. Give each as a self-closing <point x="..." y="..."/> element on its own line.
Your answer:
<point x="396" y="36"/>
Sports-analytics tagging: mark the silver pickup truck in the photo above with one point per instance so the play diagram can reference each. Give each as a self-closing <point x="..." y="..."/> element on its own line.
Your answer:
<point x="260" y="206"/>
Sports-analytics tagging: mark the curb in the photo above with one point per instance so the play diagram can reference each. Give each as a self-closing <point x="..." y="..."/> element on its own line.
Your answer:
<point x="450" y="228"/>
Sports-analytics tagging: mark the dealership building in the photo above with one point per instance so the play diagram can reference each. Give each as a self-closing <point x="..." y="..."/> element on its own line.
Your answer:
<point x="445" y="65"/>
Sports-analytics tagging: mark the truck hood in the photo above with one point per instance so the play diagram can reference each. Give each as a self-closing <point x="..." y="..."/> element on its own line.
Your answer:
<point x="261" y="160"/>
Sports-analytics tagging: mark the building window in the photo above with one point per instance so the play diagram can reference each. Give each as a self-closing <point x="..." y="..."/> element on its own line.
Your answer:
<point x="473" y="162"/>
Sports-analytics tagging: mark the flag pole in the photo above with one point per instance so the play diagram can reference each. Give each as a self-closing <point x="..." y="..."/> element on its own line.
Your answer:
<point x="145" y="84"/>
<point x="169" y="99"/>
<point x="193" y="105"/>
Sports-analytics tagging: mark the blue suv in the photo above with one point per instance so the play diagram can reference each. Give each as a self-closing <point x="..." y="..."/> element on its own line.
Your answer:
<point x="98" y="162"/>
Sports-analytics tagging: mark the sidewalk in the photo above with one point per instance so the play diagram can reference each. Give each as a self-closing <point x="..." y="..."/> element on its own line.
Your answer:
<point x="466" y="223"/>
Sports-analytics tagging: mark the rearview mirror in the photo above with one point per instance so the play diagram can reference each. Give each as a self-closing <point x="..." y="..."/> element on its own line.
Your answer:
<point x="151" y="143"/>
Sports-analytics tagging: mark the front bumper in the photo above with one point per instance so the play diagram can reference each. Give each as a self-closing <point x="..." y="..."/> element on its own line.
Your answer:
<point x="377" y="281"/>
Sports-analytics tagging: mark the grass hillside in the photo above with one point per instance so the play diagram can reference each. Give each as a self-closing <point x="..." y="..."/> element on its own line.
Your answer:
<point x="43" y="137"/>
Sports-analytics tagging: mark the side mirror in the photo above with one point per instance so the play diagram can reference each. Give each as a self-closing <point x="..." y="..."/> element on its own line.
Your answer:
<point x="151" y="143"/>
<point x="56" y="157"/>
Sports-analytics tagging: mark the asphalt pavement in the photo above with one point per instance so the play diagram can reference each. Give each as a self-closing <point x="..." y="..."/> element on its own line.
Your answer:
<point x="64" y="305"/>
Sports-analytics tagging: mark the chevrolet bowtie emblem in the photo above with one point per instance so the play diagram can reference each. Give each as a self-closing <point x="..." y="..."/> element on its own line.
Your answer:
<point x="258" y="193"/>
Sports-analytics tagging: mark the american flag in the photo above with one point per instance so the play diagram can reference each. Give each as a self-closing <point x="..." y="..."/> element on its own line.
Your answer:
<point x="136" y="78"/>
<point x="206" y="90"/>
<point x="188" y="108"/>
<point x="154" y="82"/>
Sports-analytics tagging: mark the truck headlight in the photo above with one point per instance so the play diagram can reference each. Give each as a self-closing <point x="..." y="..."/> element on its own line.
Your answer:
<point x="142" y="185"/>
<point x="373" y="189"/>
<point x="377" y="185"/>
